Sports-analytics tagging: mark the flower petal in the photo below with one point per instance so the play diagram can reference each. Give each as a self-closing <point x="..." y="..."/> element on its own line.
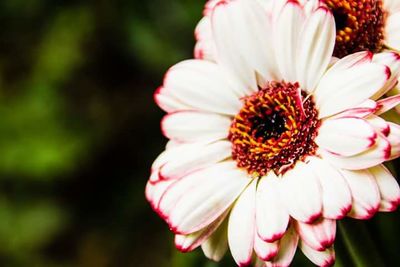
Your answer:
<point x="240" y="30"/>
<point x="387" y="104"/>
<point x="336" y="196"/>
<point x="302" y="193"/>
<point x="216" y="245"/>
<point x="360" y="111"/>
<point x="324" y="258"/>
<point x="271" y="216"/>
<point x="392" y="31"/>
<point x="189" y="207"/>
<point x="352" y="60"/>
<point x="286" y="39"/>
<point x="186" y="243"/>
<point x="241" y="226"/>
<point x="377" y="154"/>
<point x="365" y="193"/>
<point x="388" y="188"/>
<point x="315" y="48"/>
<point x="265" y="250"/>
<point x="392" y="60"/>
<point x="391" y="5"/>
<point x="379" y="124"/>
<point x="168" y="102"/>
<point x="205" y="46"/>
<point x="202" y="85"/>
<point x="319" y="235"/>
<point x="394" y="139"/>
<point x="346" y="136"/>
<point x="154" y="192"/>
<point x="287" y="249"/>
<point x="342" y="89"/>
<point x="194" y="157"/>
<point x="194" y="126"/>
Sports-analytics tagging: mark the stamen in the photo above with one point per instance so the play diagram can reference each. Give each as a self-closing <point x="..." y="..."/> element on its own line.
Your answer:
<point x="274" y="129"/>
<point x="359" y="25"/>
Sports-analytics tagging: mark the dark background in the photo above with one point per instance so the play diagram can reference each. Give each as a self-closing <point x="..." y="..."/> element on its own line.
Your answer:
<point x="79" y="131"/>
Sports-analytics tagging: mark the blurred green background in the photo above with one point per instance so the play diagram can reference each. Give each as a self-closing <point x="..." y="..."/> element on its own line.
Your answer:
<point x="79" y="130"/>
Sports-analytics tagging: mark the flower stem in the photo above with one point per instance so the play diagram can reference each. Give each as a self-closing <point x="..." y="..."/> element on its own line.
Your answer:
<point x="359" y="243"/>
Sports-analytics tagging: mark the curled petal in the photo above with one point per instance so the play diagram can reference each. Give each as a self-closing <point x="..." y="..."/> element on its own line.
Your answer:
<point x="325" y="258"/>
<point x="189" y="207"/>
<point x="186" y="243"/>
<point x="319" y="235"/>
<point x="388" y="188"/>
<point x="216" y="245"/>
<point x="365" y="193"/>
<point x="288" y="246"/>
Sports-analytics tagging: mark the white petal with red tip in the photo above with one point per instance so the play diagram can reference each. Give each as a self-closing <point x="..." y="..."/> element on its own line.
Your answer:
<point x="195" y="156"/>
<point x="243" y="47"/>
<point x="377" y="154"/>
<point x="202" y="85"/>
<point x="321" y="258"/>
<point x="302" y="193"/>
<point x="288" y="246"/>
<point x="388" y="188"/>
<point x="154" y="191"/>
<point x="336" y="196"/>
<point x="205" y="46"/>
<point x="288" y="29"/>
<point x="265" y="250"/>
<point x="241" y="226"/>
<point x="167" y="101"/>
<point x="190" y="207"/>
<point x="319" y="235"/>
<point x="387" y="104"/>
<point x="379" y="124"/>
<point x="363" y="110"/>
<point x="346" y="136"/>
<point x="339" y="90"/>
<point x="271" y="216"/>
<point x="352" y="60"/>
<point x="194" y="126"/>
<point x="216" y="245"/>
<point x="392" y="60"/>
<point x="393" y="31"/>
<point x="365" y="193"/>
<point x="315" y="48"/>
<point x="189" y="242"/>
<point x="394" y="139"/>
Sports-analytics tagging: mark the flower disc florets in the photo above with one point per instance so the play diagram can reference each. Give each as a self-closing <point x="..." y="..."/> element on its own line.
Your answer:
<point x="359" y="25"/>
<point x="275" y="127"/>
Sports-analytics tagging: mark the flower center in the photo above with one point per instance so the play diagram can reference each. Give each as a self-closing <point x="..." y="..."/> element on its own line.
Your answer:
<point x="359" y="25"/>
<point x="275" y="128"/>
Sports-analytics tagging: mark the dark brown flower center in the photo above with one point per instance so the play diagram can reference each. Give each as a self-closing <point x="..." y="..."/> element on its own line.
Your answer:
<point x="359" y="25"/>
<point x="275" y="128"/>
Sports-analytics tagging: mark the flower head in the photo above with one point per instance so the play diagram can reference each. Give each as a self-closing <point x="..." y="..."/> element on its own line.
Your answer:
<point x="271" y="140"/>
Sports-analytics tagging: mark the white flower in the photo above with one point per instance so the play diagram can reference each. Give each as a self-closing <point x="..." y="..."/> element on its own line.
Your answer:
<point x="271" y="142"/>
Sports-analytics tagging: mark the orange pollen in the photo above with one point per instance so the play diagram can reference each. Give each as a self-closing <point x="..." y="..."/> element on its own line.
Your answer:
<point x="274" y="129"/>
<point x="359" y="25"/>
